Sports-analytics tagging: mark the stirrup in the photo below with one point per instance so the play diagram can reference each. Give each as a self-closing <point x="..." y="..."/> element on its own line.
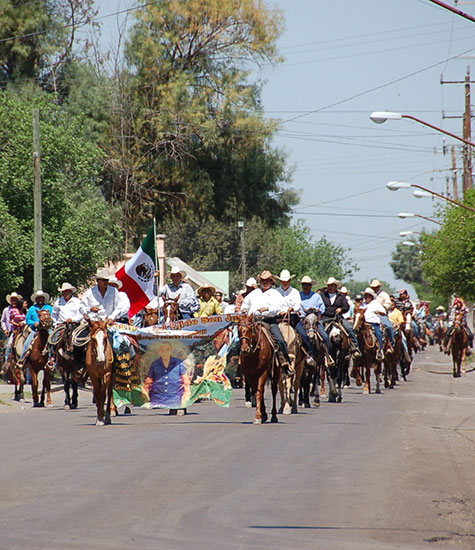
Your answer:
<point x="380" y="355"/>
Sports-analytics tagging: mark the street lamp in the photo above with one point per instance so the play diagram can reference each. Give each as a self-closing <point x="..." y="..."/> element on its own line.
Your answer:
<point x="395" y="185"/>
<point x="404" y="215"/>
<point x="407" y="233"/>
<point x="409" y="243"/>
<point x="380" y="117"/>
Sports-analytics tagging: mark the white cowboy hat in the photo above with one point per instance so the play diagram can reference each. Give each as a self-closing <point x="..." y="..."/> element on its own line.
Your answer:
<point x="174" y="270"/>
<point x="374" y="283"/>
<point x="206" y="287"/>
<point x="344" y="290"/>
<point x="370" y="291"/>
<point x="440" y="308"/>
<point x="307" y="280"/>
<point x="251" y="282"/>
<point x="102" y="273"/>
<point x="67" y="286"/>
<point x="13" y="295"/>
<point x="285" y="276"/>
<point x="333" y="281"/>
<point x="113" y="280"/>
<point x="40" y="293"/>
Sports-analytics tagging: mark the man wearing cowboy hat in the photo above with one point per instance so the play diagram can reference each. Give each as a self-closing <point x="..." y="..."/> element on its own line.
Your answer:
<point x="187" y="300"/>
<point x="250" y="284"/>
<point x="335" y="305"/>
<point x="101" y="301"/>
<point x="293" y="307"/>
<point x="312" y="303"/>
<point x="39" y="299"/>
<point x="208" y="303"/>
<point x="384" y="299"/>
<point x="373" y="311"/>
<point x="123" y="300"/>
<point x="12" y="301"/>
<point x="349" y="314"/>
<point x="66" y="308"/>
<point x="267" y="303"/>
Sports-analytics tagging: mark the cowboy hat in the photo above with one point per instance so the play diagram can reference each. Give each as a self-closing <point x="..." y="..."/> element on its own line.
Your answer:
<point x="174" y="270"/>
<point x="266" y="274"/>
<point x="358" y="297"/>
<point x="67" y="286"/>
<point x="402" y="291"/>
<point x="307" y="280"/>
<point x="344" y="290"/>
<point x="40" y="293"/>
<point x="13" y="295"/>
<point x="285" y="276"/>
<point x="370" y="291"/>
<point x="205" y="287"/>
<point x="375" y="283"/>
<point x="113" y="280"/>
<point x="102" y="273"/>
<point x="440" y="308"/>
<point x="333" y="281"/>
<point x="251" y="282"/>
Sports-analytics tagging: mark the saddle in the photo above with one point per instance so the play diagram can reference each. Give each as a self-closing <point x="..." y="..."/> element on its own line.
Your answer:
<point x="268" y="335"/>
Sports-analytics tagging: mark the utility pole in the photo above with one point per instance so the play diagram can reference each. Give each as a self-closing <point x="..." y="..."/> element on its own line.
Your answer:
<point x="467" y="133"/>
<point x="454" y="174"/>
<point x="243" y="252"/>
<point x="38" y="240"/>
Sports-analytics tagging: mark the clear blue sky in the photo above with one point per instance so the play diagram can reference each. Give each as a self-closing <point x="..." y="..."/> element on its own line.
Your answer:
<point x="334" y="52"/>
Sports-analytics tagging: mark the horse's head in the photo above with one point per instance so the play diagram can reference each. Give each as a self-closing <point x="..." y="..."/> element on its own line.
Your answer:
<point x="459" y="320"/>
<point x="358" y="318"/>
<point x="99" y="341"/>
<point x="171" y="310"/>
<point x="311" y="325"/>
<point x="151" y="317"/>
<point x="246" y="334"/>
<point x="45" y="319"/>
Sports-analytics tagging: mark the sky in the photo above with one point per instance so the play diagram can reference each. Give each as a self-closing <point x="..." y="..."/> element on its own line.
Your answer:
<point x="344" y="60"/>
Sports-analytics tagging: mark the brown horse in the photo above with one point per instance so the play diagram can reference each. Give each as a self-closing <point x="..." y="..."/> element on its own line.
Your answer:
<point x="391" y="360"/>
<point x="150" y="317"/>
<point x="171" y="311"/>
<point x="258" y="363"/>
<point x="313" y="374"/>
<point x="368" y="345"/>
<point x="440" y="332"/>
<point x="289" y="383"/>
<point x="99" y="361"/>
<point x="38" y="358"/>
<point x="458" y="343"/>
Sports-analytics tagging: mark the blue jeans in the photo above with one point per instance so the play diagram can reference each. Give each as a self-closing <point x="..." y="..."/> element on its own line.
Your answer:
<point x="325" y="336"/>
<point x="379" y="334"/>
<point x="27" y="343"/>
<point x="387" y="323"/>
<point x="186" y="315"/>
<point x="415" y="328"/>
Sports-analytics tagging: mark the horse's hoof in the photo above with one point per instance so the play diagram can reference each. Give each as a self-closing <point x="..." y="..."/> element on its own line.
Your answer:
<point x="99" y="422"/>
<point x="50" y="405"/>
<point x="340" y="399"/>
<point x="274" y="420"/>
<point x="127" y="410"/>
<point x="107" y="420"/>
<point x="257" y="421"/>
<point x="377" y="390"/>
<point x="281" y="410"/>
<point x="66" y="407"/>
<point x="308" y="406"/>
<point x="294" y="411"/>
<point x="265" y="418"/>
<point x="365" y="391"/>
<point x="74" y="406"/>
<point x="323" y="394"/>
<point x="248" y="405"/>
<point x="287" y="409"/>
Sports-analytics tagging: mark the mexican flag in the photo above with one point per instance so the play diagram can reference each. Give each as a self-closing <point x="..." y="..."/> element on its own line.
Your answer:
<point x="137" y="275"/>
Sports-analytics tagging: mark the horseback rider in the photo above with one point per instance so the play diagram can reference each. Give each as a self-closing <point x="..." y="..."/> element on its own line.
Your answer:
<point x="123" y="300"/>
<point x="458" y="307"/>
<point x="293" y="307"/>
<point x="384" y="299"/>
<point x="409" y="306"/>
<point x="250" y="284"/>
<point x="335" y="305"/>
<point x="66" y="309"/>
<point x="312" y="303"/>
<point x="267" y="303"/>
<point x="209" y="305"/>
<point x="373" y="312"/>
<point x="12" y="300"/>
<point x="350" y="313"/>
<point x="441" y="315"/>
<point x="397" y="318"/>
<point x="187" y="300"/>
<point x="101" y="301"/>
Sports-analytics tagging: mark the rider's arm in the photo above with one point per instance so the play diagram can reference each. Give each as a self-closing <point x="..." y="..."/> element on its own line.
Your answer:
<point x="32" y="317"/>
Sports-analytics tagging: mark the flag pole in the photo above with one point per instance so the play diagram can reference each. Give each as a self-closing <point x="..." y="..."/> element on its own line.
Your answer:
<point x="157" y="279"/>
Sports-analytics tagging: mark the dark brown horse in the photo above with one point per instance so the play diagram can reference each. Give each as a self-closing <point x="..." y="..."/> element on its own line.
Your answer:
<point x="150" y="317"/>
<point x="258" y="363"/>
<point x="391" y="360"/>
<point x="171" y="311"/>
<point x="99" y="361"/>
<point x="368" y="345"/>
<point x="38" y="358"/>
<point x="458" y="343"/>
<point x="313" y="374"/>
<point x="440" y="332"/>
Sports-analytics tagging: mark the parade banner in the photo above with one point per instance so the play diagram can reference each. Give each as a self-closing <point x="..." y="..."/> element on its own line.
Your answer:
<point x="173" y="366"/>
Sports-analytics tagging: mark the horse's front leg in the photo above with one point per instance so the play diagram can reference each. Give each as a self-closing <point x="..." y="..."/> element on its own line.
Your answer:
<point x="34" y="387"/>
<point x="281" y="388"/>
<point x="66" y="387"/>
<point x="74" y="401"/>
<point x="367" y="382"/>
<point x="98" y="398"/>
<point x="261" y="415"/>
<point x="47" y="388"/>
<point x="107" y="389"/>
<point x="274" y="387"/>
<point x="377" y="374"/>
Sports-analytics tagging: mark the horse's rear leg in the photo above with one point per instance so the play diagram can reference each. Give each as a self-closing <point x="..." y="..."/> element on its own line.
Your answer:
<point x="47" y="388"/>
<point x="107" y="388"/>
<point x="74" y="402"/>
<point x="367" y="382"/>
<point x="34" y="387"/>
<point x="274" y="387"/>
<point x="99" y="393"/>
<point x="261" y="415"/>
<point x="66" y="387"/>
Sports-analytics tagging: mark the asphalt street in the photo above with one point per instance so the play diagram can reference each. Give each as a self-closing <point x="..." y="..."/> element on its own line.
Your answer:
<point x="376" y="472"/>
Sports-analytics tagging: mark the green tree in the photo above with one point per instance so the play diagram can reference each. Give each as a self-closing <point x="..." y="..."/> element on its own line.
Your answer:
<point x="79" y="227"/>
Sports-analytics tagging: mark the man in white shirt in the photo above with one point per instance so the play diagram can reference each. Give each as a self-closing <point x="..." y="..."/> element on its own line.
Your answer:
<point x="123" y="300"/>
<point x="266" y="302"/>
<point x="373" y="311"/>
<point x="67" y="308"/>
<point x="384" y="299"/>
<point x="101" y="301"/>
<point x="292" y="303"/>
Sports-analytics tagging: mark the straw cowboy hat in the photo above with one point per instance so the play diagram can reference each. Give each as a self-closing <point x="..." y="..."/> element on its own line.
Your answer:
<point x="102" y="273"/>
<point x="205" y="287"/>
<point x="440" y="308"/>
<point x="266" y="274"/>
<point x="174" y="270"/>
<point x="13" y="295"/>
<point x="251" y="282"/>
<point x="113" y="280"/>
<point x="375" y="283"/>
<point x="307" y="280"/>
<point x="67" y="286"/>
<point x="333" y="281"/>
<point x="40" y="293"/>
<point x="344" y="290"/>
<point x="285" y="276"/>
<point x="370" y="291"/>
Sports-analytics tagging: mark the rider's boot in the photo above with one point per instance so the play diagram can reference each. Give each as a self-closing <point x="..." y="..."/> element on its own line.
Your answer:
<point x="309" y="360"/>
<point x="356" y="352"/>
<point x="328" y="358"/>
<point x="379" y="354"/>
<point x="284" y="364"/>
<point x="50" y="365"/>
<point x="389" y="349"/>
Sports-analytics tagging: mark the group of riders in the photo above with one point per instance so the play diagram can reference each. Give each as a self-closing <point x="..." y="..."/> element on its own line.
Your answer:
<point x="271" y="299"/>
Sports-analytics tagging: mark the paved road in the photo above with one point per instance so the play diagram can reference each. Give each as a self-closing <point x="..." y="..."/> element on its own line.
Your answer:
<point x="376" y="472"/>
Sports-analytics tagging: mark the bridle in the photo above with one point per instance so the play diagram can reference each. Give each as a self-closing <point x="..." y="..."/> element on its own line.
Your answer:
<point x="251" y="325"/>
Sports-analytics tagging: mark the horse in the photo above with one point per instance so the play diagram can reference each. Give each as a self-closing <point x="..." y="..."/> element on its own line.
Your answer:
<point x="151" y="317"/>
<point x="171" y="311"/>
<point x="458" y="343"/>
<point x="391" y="360"/>
<point x="340" y="353"/>
<point x="287" y="383"/>
<point x="440" y="332"/>
<point x="38" y="358"/>
<point x="312" y="374"/>
<point x="99" y="361"/>
<point x="368" y="345"/>
<point x="258" y="363"/>
<point x="412" y="344"/>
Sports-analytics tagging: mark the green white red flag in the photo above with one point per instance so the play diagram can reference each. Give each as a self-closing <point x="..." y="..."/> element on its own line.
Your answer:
<point x="137" y="275"/>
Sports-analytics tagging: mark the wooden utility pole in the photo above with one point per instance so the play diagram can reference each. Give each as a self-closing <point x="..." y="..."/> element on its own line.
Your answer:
<point x="454" y="174"/>
<point x="38" y="240"/>
<point x="467" y="134"/>
<point x="243" y="252"/>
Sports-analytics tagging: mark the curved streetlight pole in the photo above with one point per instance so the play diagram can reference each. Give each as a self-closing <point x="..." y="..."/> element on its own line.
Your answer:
<point x="395" y="185"/>
<point x="453" y="10"/>
<point x="412" y="215"/>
